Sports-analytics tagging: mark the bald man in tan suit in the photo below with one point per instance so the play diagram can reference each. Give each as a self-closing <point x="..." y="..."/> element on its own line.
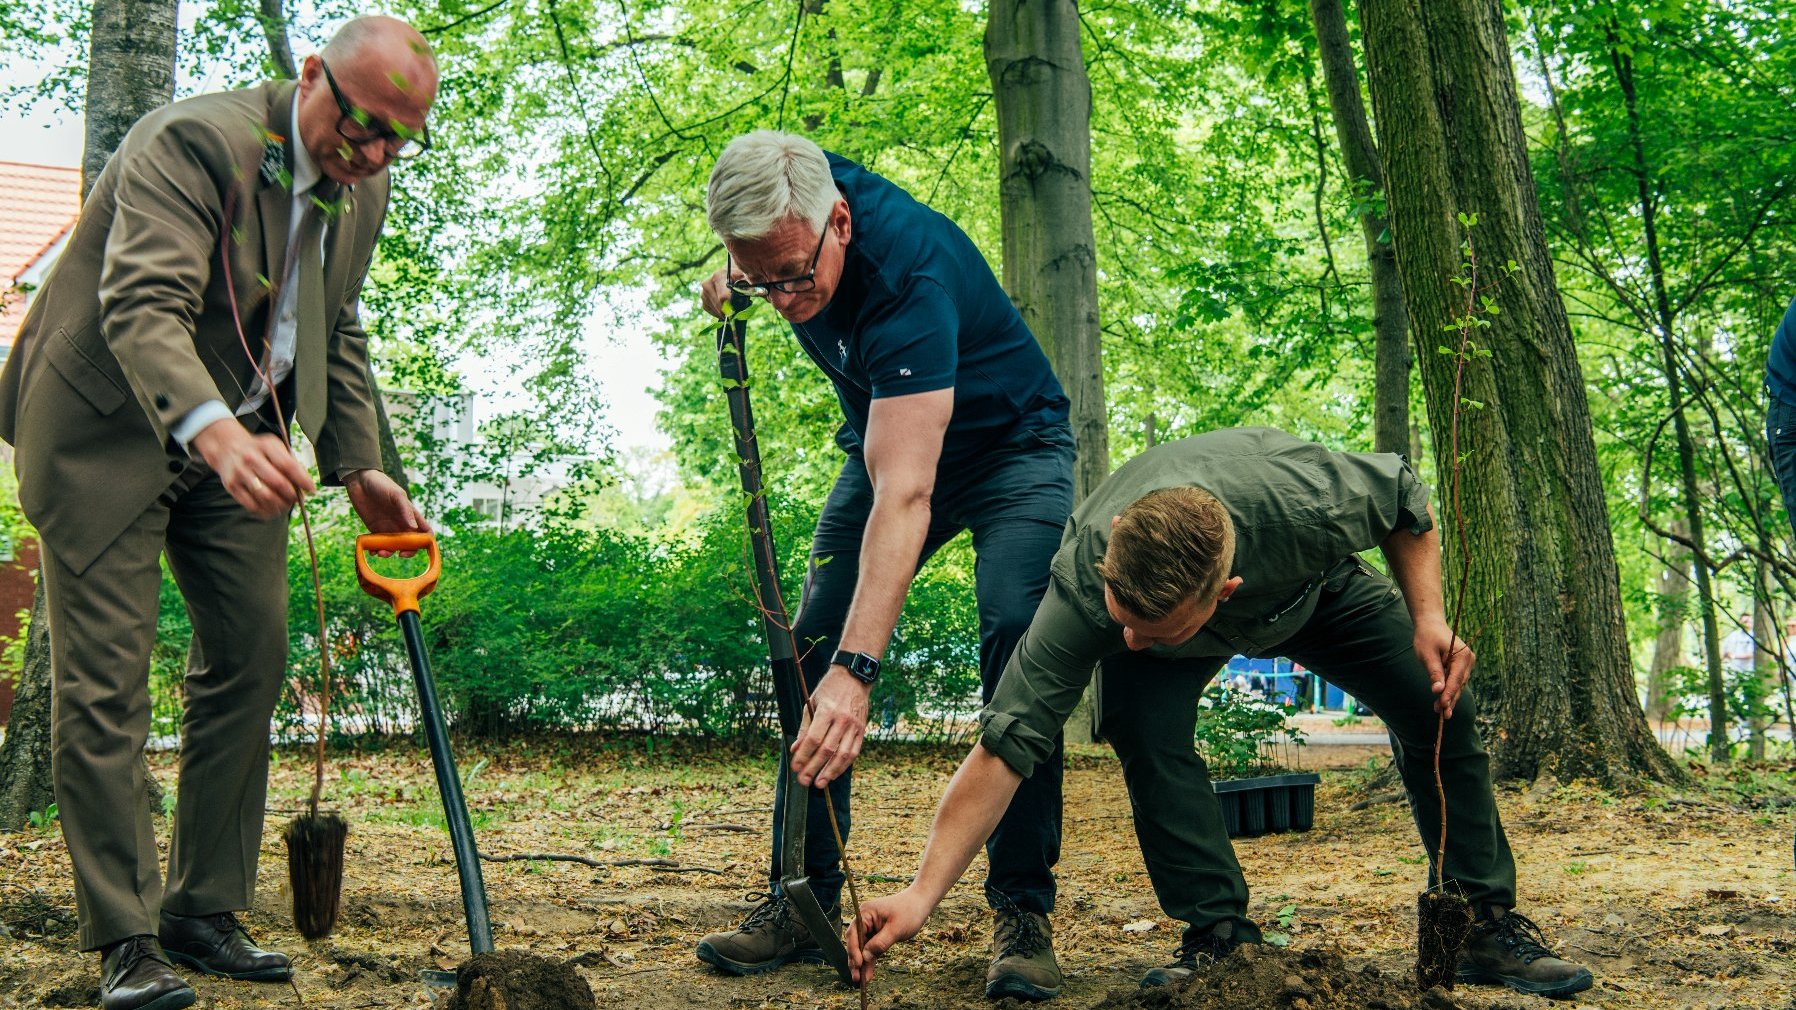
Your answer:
<point x="221" y="251"/>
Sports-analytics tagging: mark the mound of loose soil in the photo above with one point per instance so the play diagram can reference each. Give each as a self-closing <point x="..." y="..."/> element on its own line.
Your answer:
<point x="1270" y="978"/>
<point x="514" y="980"/>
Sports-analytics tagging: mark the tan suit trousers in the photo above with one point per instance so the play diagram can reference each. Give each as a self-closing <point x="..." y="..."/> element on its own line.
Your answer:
<point x="231" y="569"/>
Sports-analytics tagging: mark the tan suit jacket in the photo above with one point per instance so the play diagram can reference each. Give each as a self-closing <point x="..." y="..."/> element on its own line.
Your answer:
<point x="134" y="327"/>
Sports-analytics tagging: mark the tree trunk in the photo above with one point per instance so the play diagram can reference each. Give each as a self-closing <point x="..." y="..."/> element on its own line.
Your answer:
<point x="1673" y="591"/>
<point x="1390" y="324"/>
<point x="1765" y="649"/>
<point x="1043" y="101"/>
<point x="274" y="29"/>
<point x="1543" y="603"/>
<point x="130" y="71"/>
<point x="1680" y="425"/>
<point x="25" y="754"/>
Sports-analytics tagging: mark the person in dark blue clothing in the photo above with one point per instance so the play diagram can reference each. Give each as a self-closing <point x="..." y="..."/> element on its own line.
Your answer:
<point x="1780" y="418"/>
<point x="1780" y="415"/>
<point x="952" y="420"/>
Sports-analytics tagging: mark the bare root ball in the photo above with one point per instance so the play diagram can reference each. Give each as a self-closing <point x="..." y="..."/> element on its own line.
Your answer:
<point x="1443" y="921"/>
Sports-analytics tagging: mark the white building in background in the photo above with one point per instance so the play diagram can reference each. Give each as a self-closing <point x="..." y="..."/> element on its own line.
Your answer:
<point x="523" y="481"/>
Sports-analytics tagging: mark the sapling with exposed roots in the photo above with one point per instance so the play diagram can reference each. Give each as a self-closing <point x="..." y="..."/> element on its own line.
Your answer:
<point x="1443" y="918"/>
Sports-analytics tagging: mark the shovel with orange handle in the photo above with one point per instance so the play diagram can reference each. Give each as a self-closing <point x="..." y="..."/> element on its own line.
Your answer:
<point x="403" y="594"/>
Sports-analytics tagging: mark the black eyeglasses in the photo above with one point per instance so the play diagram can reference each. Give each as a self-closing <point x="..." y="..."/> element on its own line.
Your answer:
<point x="357" y="127"/>
<point x="785" y="285"/>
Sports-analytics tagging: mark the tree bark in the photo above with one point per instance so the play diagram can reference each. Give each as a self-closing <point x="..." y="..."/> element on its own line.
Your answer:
<point x="25" y="784"/>
<point x="274" y="29"/>
<point x="130" y="71"/>
<point x="1666" y="321"/>
<point x="1043" y="101"/>
<point x="1765" y="656"/>
<point x="1359" y="152"/>
<point x="1668" y="646"/>
<point x="1543" y="604"/>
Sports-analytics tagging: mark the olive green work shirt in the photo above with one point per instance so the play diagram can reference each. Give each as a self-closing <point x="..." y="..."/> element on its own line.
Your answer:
<point x="1298" y="508"/>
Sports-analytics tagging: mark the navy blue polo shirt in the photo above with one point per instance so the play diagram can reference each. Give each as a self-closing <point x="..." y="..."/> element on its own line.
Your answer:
<point x="1780" y="371"/>
<point x="918" y="309"/>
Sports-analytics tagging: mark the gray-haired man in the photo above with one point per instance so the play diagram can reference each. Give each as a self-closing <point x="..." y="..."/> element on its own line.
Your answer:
<point x="953" y="421"/>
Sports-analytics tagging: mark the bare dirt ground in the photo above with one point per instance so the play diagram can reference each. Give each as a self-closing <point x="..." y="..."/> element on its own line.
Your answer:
<point x="1674" y="898"/>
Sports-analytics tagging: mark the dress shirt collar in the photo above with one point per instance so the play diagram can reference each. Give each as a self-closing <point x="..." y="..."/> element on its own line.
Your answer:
<point x="305" y="170"/>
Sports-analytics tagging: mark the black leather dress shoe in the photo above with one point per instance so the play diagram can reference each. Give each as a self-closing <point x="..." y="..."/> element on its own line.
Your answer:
<point x="218" y="945"/>
<point x="134" y="975"/>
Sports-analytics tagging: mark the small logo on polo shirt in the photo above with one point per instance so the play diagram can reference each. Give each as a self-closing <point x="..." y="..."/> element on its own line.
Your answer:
<point x="843" y="348"/>
<point x="903" y="371"/>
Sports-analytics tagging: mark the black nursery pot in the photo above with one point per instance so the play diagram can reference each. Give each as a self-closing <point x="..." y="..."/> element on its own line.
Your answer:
<point x="1268" y="804"/>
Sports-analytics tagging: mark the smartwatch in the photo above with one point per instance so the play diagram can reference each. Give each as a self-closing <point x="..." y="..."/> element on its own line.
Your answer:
<point x="861" y="666"/>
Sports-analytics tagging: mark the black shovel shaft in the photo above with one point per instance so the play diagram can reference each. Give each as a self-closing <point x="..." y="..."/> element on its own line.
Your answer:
<point x="788" y="683"/>
<point x="455" y="807"/>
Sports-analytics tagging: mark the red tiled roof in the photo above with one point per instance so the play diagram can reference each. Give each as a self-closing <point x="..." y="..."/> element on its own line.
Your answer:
<point x="38" y="205"/>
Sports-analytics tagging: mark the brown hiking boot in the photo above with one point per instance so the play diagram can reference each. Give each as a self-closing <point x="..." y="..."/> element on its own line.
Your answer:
<point x="1511" y="951"/>
<point x="1023" y="962"/>
<point x="1194" y="952"/>
<point x="771" y="936"/>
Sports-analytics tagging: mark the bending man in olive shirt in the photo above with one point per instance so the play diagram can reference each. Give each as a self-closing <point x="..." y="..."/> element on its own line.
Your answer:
<point x="1240" y="541"/>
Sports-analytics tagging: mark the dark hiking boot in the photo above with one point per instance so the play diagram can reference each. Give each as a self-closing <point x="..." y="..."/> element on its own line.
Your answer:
<point x="1194" y="952"/>
<point x="771" y="936"/>
<point x="1511" y="951"/>
<point x="1023" y="962"/>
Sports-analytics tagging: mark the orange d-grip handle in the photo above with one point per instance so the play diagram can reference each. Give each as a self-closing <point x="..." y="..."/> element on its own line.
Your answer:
<point x="403" y="594"/>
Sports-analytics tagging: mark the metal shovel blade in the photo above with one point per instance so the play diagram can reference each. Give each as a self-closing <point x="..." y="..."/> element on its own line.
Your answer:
<point x="810" y="912"/>
<point x="794" y="884"/>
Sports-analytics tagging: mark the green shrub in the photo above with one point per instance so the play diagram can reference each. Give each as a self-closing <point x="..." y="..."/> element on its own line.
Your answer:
<point x="1239" y="735"/>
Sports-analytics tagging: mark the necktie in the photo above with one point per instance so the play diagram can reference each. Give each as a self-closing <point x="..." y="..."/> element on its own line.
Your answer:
<point x="310" y="339"/>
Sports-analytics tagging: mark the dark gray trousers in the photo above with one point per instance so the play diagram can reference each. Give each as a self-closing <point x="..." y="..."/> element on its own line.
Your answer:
<point x="1359" y="638"/>
<point x="1015" y="504"/>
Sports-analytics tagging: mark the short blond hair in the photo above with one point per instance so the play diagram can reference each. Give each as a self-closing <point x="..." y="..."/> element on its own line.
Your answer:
<point x="1168" y="546"/>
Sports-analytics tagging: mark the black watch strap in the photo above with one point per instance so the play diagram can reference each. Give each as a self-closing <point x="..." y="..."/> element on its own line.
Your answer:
<point x="863" y="667"/>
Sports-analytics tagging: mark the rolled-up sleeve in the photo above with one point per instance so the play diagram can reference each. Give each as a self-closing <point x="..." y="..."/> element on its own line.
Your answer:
<point x="1376" y="494"/>
<point x="1042" y="682"/>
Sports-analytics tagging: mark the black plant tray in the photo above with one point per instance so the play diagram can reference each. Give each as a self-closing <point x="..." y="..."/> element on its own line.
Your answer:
<point x="1267" y="805"/>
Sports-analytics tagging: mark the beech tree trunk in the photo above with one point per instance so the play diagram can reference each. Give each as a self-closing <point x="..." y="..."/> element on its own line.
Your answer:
<point x="1359" y="152"/>
<point x="1668" y="646"/>
<point x="130" y="71"/>
<point x="1043" y="101"/>
<point x="1767" y="652"/>
<point x="1666" y="319"/>
<point x="1543" y="604"/>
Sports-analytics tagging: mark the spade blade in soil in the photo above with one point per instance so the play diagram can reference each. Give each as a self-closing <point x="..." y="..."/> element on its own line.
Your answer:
<point x="824" y="932"/>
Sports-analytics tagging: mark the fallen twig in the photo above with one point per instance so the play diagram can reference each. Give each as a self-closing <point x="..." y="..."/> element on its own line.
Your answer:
<point x="667" y="865"/>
